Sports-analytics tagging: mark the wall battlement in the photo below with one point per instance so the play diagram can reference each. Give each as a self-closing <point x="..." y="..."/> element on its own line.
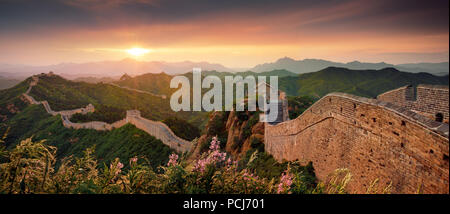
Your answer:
<point x="371" y="138"/>
<point x="428" y="100"/>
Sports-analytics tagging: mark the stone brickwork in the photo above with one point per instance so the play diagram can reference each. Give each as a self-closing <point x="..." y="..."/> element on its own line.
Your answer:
<point x="371" y="138"/>
<point x="428" y="100"/>
<point x="432" y="100"/>
<point x="154" y="128"/>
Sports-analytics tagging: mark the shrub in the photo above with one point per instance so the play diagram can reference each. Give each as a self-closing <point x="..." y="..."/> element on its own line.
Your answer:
<point x="30" y="168"/>
<point x="182" y="128"/>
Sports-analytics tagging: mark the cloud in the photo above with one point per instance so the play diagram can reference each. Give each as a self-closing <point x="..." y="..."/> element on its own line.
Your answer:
<point x="314" y="27"/>
<point x="411" y="15"/>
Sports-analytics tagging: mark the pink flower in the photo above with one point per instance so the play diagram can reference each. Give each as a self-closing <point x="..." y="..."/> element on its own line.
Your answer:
<point x="117" y="168"/>
<point x="229" y="163"/>
<point x="214" y="156"/>
<point x="285" y="182"/>
<point x="120" y="165"/>
<point x="133" y="160"/>
<point x="173" y="158"/>
<point x="215" y="144"/>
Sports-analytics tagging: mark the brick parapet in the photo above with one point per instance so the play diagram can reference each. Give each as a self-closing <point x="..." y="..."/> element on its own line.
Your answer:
<point x="372" y="138"/>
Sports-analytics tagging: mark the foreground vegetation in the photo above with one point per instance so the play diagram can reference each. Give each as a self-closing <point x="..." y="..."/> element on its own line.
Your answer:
<point x="30" y="168"/>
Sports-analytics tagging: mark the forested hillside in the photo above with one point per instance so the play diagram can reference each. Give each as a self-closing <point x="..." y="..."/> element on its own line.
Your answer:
<point x="124" y="143"/>
<point x="367" y="83"/>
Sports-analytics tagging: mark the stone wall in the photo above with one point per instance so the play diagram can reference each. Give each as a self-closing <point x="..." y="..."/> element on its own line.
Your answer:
<point x="427" y="100"/>
<point x="432" y="100"/>
<point x="371" y="138"/>
<point x="154" y="128"/>
<point x="162" y="132"/>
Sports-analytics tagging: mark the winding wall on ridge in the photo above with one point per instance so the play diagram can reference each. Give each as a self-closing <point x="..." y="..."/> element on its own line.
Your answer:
<point x="371" y="138"/>
<point x="154" y="128"/>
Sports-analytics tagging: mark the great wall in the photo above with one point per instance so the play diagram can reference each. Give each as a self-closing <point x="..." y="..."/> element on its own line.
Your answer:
<point x="396" y="138"/>
<point x="399" y="145"/>
<point x="154" y="128"/>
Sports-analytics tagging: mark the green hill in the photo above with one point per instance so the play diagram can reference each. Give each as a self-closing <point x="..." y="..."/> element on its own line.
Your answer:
<point x="21" y="120"/>
<point x="367" y="83"/>
<point x="154" y="83"/>
<point x="159" y="83"/>
<point x="124" y="143"/>
<point x="10" y="100"/>
<point x="63" y="94"/>
<point x="111" y="103"/>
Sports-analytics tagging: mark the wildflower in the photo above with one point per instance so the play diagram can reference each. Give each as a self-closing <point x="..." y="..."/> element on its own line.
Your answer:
<point x="118" y="167"/>
<point x="229" y="163"/>
<point x="214" y="157"/>
<point x="285" y="182"/>
<point x="173" y="158"/>
<point x="133" y="160"/>
<point x="215" y="144"/>
<point x="200" y="165"/>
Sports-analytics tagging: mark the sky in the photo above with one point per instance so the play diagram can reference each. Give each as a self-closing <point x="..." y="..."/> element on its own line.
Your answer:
<point x="235" y="33"/>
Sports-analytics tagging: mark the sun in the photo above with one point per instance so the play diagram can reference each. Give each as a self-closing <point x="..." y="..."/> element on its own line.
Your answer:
<point x="138" y="51"/>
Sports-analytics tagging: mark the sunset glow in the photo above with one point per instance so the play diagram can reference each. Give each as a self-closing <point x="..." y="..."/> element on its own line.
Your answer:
<point x="138" y="51"/>
<point x="228" y="32"/>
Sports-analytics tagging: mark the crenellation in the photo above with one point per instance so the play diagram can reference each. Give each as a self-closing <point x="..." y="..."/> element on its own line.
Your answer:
<point x="430" y="100"/>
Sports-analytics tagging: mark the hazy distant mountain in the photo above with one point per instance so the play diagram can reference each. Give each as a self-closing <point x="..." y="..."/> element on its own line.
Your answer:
<point x="7" y="82"/>
<point x="133" y="67"/>
<point x="433" y="68"/>
<point x="296" y="66"/>
<point x="280" y="73"/>
<point x="109" y="68"/>
<point x="312" y="65"/>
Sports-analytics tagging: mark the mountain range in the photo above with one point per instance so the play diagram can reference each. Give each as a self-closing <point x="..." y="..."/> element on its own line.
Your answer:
<point x="366" y="83"/>
<point x="114" y="69"/>
<point x="107" y="68"/>
<point x="311" y="65"/>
